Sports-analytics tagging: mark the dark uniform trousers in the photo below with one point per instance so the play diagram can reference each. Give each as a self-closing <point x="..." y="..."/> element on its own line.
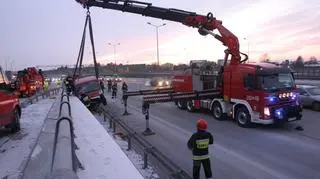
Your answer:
<point x="197" y="166"/>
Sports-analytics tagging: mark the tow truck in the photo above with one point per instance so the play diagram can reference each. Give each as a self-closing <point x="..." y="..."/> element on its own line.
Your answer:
<point x="247" y="93"/>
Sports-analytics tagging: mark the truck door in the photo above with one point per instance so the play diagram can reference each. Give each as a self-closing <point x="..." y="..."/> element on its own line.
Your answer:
<point x="3" y="107"/>
<point x="5" y="99"/>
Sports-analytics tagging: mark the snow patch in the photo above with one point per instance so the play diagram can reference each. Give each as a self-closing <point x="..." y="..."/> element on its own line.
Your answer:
<point x="36" y="151"/>
<point x="17" y="149"/>
<point x="98" y="152"/>
<point x="137" y="160"/>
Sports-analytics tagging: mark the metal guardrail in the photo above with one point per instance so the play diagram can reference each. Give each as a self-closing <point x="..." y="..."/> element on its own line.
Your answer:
<point x="64" y="160"/>
<point x="43" y="95"/>
<point x="175" y="172"/>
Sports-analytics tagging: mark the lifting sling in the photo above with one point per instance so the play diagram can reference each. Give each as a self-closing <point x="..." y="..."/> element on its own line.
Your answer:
<point x="77" y="70"/>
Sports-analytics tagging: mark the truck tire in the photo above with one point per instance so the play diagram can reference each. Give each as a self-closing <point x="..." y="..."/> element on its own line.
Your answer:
<point x="217" y="112"/>
<point x="15" y="125"/>
<point x="181" y="104"/>
<point x="316" y="106"/>
<point x="190" y="106"/>
<point x="243" y="117"/>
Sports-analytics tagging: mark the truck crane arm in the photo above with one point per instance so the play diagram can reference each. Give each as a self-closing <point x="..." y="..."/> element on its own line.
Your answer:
<point x="205" y="24"/>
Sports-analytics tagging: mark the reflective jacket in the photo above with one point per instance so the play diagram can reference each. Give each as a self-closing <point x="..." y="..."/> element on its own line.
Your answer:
<point x="199" y="144"/>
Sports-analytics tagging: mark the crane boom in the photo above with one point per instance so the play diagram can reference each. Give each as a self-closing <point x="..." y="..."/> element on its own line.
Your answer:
<point x="205" y="24"/>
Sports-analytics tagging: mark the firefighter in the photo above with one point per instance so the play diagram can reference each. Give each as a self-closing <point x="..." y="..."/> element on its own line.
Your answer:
<point x="199" y="144"/>
<point x="69" y="83"/>
<point x="85" y="99"/>
<point x="102" y="86"/>
<point x="124" y="87"/>
<point x="46" y="85"/>
<point x="114" y="90"/>
<point x="109" y="85"/>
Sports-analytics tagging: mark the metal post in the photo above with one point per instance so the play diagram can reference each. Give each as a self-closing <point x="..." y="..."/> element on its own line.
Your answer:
<point x="110" y="123"/>
<point x="148" y="131"/>
<point x="129" y="141"/>
<point x="114" y="55"/>
<point x="157" y="33"/>
<point x="145" y="158"/>
<point x="125" y="102"/>
<point x="114" y="125"/>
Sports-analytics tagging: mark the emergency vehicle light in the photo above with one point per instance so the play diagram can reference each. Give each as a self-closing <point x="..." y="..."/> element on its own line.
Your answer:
<point x="266" y="111"/>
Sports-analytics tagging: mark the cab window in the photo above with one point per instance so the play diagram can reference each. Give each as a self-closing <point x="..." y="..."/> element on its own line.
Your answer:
<point x="250" y="82"/>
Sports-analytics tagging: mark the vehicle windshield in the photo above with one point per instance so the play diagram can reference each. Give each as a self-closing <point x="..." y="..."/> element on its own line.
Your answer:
<point x="314" y="91"/>
<point x="277" y="81"/>
<point x="90" y="86"/>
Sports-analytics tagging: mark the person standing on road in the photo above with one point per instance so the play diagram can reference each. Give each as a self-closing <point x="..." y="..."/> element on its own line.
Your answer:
<point x="109" y="85"/>
<point x="199" y="144"/>
<point x="114" y="90"/>
<point x="124" y="87"/>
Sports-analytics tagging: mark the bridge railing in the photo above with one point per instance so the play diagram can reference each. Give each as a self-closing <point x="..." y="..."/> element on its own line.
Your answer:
<point x="173" y="171"/>
<point x="64" y="160"/>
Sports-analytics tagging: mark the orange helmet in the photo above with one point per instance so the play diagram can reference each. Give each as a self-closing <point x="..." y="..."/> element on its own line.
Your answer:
<point x="202" y="124"/>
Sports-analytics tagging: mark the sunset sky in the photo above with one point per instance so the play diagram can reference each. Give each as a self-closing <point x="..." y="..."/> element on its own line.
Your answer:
<point x="47" y="32"/>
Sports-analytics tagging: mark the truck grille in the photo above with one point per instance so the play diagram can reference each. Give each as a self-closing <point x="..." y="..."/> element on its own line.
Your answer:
<point x="289" y="111"/>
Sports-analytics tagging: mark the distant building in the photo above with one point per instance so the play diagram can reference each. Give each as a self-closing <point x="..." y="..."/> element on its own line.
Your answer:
<point x="220" y="62"/>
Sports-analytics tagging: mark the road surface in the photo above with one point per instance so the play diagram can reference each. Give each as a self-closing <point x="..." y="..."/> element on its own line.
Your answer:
<point x="261" y="152"/>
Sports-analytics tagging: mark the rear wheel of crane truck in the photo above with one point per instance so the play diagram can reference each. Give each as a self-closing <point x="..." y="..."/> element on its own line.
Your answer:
<point x="190" y="106"/>
<point x="15" y="125"/>
<point x="217" y="112"/>
<point x="182" y="104"/>
<point x="243" y="117"/>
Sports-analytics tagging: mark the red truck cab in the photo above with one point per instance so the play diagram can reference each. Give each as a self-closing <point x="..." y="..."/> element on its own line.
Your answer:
<point x="10" y="110"/>
<point x="90" y="86"/>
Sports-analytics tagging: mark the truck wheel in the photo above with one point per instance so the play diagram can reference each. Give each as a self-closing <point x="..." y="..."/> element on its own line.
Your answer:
<point x="15" y="125"/>
<point x="181" y="105"/>
<point x="190" y="106"/>
<point x="217" y="111"/>
<point x="316" y="106"/>
<point x="243" y="117"/>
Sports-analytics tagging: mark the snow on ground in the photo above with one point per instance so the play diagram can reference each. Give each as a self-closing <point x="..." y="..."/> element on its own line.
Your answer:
<point x="135" y="158"/>
<point x="16" y="148"/>
<point x="98" y="152"/>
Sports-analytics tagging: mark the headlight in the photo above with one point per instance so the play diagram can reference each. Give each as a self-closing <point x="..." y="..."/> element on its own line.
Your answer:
<point x="167" y="83"/>
<point x="160" y="83"/>
<point x="266" y="111"/>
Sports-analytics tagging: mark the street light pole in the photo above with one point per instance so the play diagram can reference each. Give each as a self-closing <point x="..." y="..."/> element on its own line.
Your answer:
<point x="157" y="33"/>
<point x="114" y="55"/>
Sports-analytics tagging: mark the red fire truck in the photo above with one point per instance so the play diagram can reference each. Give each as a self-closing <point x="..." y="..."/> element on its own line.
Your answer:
<point x="29" y="81"/>
<point x="248" y="93"/>
<point x="10" y="110"/>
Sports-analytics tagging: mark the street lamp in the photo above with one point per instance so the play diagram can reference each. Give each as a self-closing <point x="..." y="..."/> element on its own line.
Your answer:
<point x="248" y="46"/>
<point x="114" y="54"/>
<point x="157" y="31"/>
